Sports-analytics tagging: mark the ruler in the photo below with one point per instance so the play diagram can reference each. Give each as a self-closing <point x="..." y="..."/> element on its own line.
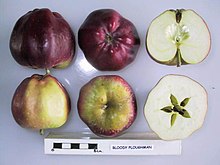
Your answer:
<point x="86" y="143"/>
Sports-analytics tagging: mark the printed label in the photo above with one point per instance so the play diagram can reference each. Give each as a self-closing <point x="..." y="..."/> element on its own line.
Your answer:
<point x="131" y="147"/>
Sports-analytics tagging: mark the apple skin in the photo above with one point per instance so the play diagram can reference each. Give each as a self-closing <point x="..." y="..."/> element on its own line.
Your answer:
<point x="107" y="105"/>
<point x="40" y="102"/>
<point x="42" y="39"/>
<point x="109" y="41"/>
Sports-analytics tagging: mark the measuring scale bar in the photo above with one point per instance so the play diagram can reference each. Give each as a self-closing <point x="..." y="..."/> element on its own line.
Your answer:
<point x="86" y="143"/>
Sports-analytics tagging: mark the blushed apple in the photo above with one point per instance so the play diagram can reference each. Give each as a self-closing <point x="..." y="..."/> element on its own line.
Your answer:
<point x="109" y="41"/>
<point x="40" y="102"/>
<point x="107" y="105"/>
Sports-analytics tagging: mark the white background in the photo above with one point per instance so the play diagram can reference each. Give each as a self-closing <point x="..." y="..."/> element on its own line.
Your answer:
<point x="22" y="146"/>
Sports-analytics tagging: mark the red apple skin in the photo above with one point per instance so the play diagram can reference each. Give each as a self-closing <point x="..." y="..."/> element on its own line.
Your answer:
<point x="82" y="104"/>
<point x="109" y="41"/>
<point x="42" y="39"/>
<point x="26" y="111"/>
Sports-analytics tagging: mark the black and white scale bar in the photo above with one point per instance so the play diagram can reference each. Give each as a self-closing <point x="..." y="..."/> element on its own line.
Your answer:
<point x="75" y="146"/>
<point x="84" y="143"/>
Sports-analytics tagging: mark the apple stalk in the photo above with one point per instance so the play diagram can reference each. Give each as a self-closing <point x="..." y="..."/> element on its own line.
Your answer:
<point x="47" y="71"/>
<point x="179" y="58"/>
<point x="41" y="131"/>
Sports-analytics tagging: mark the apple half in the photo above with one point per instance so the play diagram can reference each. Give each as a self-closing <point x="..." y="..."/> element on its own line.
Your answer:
<point x="176" y="107"/>
<point x="107" y="105"/>
<point x="178" y="37"/>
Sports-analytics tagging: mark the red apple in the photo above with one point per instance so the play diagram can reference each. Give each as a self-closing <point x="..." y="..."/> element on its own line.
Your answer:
<point x="109" y="41"/>
<point x="42" y="39"/>
<point x="40" y="102"/>
<point x="107" y="104"/>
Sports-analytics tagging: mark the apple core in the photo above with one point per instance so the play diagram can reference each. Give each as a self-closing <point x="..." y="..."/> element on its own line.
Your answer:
<point x="177" y="33"/>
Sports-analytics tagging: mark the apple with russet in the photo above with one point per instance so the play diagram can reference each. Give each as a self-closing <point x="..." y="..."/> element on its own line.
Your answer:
<point x="178" y="37"/>
<point x="107" y="105"/>
<point x="42" y="39"/>
<point x="109" y="41"/>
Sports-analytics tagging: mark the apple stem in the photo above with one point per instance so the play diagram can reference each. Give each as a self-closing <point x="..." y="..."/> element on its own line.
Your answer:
<point x="178" y="15"/>
<point x="178" y="54"/>
<point x="41" y="131"/>
<point x="47" y="71"/>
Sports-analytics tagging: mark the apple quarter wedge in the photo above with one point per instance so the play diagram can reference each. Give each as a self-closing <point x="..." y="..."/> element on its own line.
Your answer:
<point x="178" y="37"/>
<point x="176" y="107"/>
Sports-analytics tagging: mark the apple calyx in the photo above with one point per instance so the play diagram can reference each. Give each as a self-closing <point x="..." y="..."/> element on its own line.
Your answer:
<point x="177" y="33"/>
<point x="176" y="109"/>
<point x="109" y="38"/>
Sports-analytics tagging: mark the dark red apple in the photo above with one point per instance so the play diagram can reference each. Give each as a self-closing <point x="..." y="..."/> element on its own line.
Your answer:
<point x="42" y="39"/>
<point x="109" y="41"/>
<point x="107" y="104"/>
<point x="40" y="102"/>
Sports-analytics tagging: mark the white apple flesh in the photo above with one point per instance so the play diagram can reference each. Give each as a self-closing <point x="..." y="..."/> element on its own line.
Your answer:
<point x="178" y="37"/>
<point x="182" y="88"/>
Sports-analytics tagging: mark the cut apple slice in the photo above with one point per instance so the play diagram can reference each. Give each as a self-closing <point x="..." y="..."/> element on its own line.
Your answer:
<point x="176" y="107"/>
<point x="178" y="37"/>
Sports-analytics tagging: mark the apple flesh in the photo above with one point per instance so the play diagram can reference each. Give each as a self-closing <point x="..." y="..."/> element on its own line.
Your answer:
<point x="178" y="37"/>
<point x="40" y="102"/>
<point x="175" y="110"/>
<point x="107" y="105"/>
<point x="109" y="41"/>
<point x="42" y="39"/>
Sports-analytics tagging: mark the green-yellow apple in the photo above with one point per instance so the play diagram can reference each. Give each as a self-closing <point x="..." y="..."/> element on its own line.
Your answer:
<point x="40" y="102"/>
<point x="107" y="104"/>
<point x="178" y="37"/>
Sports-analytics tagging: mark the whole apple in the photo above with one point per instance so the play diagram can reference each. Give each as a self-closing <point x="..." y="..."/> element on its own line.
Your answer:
<point x="40" y="102"/>
<point x="107" y="104"/>
<point x="109" y="41"/>
<point x="42" y="39"/>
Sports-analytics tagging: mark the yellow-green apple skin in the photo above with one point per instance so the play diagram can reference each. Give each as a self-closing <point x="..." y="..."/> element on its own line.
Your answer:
<point x="107" y="104"/>
<point x="40" y="102"/>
